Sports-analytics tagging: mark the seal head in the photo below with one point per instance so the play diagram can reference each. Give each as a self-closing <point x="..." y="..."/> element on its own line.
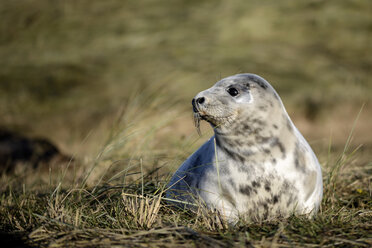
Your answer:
<point x="239" y="95"/>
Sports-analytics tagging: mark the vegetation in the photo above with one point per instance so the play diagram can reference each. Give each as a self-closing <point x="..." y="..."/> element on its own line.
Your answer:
<point x="110" y="82"/>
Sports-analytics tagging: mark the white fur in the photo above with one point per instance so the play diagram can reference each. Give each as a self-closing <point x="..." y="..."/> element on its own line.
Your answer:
<point x="256" y="187"/>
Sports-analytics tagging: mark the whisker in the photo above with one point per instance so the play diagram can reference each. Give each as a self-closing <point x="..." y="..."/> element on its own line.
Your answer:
<point x="197" y="118"/>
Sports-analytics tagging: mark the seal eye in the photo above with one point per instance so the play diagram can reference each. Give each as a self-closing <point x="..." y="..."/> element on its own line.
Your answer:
<point x="233" y="91"/>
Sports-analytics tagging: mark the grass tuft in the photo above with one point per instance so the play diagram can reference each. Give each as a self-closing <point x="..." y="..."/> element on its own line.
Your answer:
<point x="134" y="214"/>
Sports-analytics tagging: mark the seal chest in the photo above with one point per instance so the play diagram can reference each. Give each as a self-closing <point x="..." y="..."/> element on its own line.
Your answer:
<point x="257" y="165"/>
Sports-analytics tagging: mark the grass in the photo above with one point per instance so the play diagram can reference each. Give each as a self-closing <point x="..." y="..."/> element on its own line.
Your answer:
<point x="111" y="82"/>
<point x="134" y="214"/>
<point x="125" y="207"/>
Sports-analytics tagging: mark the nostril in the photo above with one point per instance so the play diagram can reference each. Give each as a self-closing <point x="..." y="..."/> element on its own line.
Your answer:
<point x="200" y="100"/>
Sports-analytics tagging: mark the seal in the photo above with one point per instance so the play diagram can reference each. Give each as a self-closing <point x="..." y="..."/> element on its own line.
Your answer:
<point x="257" y="165"/>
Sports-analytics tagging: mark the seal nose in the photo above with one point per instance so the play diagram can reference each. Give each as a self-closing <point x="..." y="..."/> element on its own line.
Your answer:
<point x="200" y="100"/>
<point x="196" y="102"/>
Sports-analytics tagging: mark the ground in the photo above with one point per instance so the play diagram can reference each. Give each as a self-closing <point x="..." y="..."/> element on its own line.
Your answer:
<point x="110" y="84"/>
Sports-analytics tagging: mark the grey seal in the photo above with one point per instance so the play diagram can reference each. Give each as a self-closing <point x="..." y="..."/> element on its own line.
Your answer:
<point x="257" y="165"/>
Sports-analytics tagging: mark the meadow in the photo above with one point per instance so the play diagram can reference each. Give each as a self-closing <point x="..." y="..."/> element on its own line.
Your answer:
<point x="111" y="82"/>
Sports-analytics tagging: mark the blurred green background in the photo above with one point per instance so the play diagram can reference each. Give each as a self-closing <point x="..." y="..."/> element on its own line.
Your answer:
<point x="69" y="67"/>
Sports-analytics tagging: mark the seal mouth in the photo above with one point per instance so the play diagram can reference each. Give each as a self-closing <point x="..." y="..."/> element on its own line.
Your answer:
<point x="194" y="108"/>
<point x="216" y="121"/>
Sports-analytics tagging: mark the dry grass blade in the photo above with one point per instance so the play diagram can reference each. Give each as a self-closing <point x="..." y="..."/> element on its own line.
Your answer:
<point x="143" y="209"/>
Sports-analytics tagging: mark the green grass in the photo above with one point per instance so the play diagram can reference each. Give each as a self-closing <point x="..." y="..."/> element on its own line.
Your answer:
<point x="111" y="82"/>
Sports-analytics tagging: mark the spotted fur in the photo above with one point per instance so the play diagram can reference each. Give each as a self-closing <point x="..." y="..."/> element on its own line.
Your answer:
<point x="257" y="165"/>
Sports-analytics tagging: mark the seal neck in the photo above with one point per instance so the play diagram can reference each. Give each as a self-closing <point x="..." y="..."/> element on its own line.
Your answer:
<point x="255" y="135"/>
